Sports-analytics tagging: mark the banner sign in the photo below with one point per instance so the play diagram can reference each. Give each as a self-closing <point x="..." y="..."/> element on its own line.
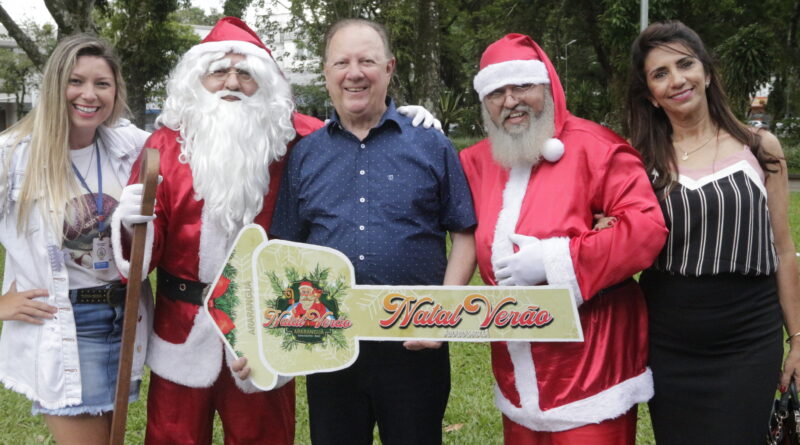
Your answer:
<point x="294" y="309"/>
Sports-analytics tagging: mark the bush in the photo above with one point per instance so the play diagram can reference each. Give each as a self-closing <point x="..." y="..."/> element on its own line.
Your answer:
<point x="788" y="129"/>
<point x="792" y="153"/>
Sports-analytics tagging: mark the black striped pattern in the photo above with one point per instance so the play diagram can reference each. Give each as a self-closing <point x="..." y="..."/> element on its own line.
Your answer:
<point x="720" y="227"/>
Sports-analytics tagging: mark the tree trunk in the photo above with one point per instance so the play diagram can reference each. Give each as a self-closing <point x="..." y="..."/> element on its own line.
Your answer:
<point x="137" y="102"/>
<point x="72" y="16"/>
<point x="427" y="70"/>
<point x="26" y="43"/>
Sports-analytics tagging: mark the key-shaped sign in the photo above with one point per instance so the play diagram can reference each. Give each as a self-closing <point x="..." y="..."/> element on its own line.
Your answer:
<point x="294" y="309"/>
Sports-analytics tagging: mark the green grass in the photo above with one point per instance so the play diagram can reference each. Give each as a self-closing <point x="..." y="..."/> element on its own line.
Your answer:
<point x="471" y="417"/>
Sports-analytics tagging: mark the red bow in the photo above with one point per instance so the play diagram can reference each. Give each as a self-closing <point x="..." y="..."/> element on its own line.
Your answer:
<point x="220" y="317"/>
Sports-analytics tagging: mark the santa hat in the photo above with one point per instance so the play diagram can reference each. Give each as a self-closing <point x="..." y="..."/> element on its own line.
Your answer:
<point x="306" y="284"/>
<point x="231" y="34"/>
<point x="516" y="60"/>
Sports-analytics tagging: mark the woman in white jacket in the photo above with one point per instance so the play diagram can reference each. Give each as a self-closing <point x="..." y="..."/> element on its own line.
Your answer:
<point x="62" y="170"/>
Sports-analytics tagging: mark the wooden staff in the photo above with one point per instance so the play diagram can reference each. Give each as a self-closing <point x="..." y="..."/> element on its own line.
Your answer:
<point x="148" y="175"/>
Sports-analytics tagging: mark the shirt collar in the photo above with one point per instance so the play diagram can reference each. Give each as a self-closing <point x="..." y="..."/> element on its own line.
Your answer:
<point x="390" y="115"/>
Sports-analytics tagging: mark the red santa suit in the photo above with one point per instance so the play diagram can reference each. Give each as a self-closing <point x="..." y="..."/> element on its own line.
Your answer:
<point x="315" y="312"/>
<point x="185" y="353"/>
<point x="561" y="386"/>
<point x="184" y="347"/>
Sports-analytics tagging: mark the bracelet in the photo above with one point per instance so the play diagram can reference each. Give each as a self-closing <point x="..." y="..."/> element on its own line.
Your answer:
<point x="789" y="338"/>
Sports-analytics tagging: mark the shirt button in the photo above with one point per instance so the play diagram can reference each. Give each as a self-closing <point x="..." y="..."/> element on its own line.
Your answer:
<point x="362" y="172"/>
<point x="361" y="257"/>
<point x="362" y="199"/>
<point x="361" y="227"/>
<point x="363" y="146"/>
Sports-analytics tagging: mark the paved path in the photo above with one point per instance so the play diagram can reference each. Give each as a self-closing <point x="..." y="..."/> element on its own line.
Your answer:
<point x="794" y="185"/>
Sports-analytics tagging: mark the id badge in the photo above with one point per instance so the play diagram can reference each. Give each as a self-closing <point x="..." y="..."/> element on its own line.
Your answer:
<point x="101" y="253"/>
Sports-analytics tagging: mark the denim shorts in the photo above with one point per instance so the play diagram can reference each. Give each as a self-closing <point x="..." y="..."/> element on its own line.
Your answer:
<point x="99" y="332"/>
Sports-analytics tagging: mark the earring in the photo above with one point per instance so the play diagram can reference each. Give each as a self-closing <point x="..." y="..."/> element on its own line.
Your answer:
<point x="708" y="82"/>
<point x="655" y="104"/>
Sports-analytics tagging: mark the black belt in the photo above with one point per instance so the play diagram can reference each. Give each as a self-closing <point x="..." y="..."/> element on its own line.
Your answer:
<point x="112" y="294"/>
<point x="180" y="289"/>
<point x="614" y="287"/>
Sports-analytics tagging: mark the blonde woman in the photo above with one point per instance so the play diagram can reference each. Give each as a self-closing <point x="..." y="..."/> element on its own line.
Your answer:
<point x="62" y="170"/>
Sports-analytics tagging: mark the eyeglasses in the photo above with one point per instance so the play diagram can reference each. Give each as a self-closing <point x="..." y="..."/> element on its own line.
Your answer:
<point x="498" y="96"/>
<point x="222" y="75"/>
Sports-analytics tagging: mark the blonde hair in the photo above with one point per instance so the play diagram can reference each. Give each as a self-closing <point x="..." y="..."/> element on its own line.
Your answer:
<point x="49" y="180"/>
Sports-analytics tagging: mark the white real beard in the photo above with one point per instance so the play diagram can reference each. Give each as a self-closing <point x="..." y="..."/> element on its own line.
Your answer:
<point x="229" y="150"/>
<point x="523" y="147"/>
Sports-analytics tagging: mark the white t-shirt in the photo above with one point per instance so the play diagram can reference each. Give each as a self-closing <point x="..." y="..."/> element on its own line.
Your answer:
<point x="80" y="231"/>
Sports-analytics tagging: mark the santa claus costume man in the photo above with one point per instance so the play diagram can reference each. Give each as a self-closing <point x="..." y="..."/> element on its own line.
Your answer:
<point x="309" y="305"/>
<point x="536" y="182"/>
<point x="227" y="119"/>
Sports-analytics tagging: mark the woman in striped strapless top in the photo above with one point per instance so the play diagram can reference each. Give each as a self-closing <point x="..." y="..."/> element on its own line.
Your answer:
<point x="726" y="280"/>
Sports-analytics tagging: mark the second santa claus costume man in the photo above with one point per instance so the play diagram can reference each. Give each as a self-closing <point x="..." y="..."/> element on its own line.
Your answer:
<point x="536" y="183"/>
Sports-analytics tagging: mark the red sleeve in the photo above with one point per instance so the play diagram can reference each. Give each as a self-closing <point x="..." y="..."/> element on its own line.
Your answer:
<point x="606" y="257"/>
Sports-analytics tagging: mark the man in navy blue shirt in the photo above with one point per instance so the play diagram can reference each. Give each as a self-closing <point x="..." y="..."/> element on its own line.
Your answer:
<point x="385" y="194"/>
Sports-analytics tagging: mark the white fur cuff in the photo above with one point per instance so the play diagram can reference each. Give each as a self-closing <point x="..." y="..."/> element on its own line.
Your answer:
<point x="558" y="266"/>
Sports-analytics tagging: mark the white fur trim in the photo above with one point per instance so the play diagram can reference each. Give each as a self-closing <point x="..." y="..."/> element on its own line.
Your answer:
<point x="513" y="194"/>
<point x="123" y="265"/>
<point x="553" y="150"/>
<point x="196" y="362"/>
<point x="607" y="404"/>
<point x="512" y="72"/>
<point x="558" y="266"/>
<point x="247" y="386"/>
<point x="213" y="248"/>
<point x="227" y="46"/>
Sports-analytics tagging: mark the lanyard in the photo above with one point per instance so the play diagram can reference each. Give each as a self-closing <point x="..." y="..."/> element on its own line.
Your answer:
<point x="98" y="197"/>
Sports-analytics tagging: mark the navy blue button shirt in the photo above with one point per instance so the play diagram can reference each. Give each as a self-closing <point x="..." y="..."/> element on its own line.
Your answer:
<point x="386" y="202"/>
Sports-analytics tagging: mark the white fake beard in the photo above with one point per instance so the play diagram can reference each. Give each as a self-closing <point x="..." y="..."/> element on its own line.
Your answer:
<point x="306" y="302"/>
<point x="229" y="150"/>
<point x="510" y="149"/>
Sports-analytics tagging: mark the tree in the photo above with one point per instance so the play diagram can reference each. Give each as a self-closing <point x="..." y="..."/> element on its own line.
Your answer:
<point x="193" y="15"/>
<point x="71" y="16"/>
<point x="16" y="69"/>
<point x="235" y="8"/>
<point x="15" y="73"/>
<point x="149" y="42"/>
<point x="146" y="34"/>
<point x="414" y="37"/>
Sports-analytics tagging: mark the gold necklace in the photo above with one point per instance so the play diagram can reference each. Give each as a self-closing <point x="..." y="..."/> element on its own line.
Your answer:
<point x="687" y="153"/>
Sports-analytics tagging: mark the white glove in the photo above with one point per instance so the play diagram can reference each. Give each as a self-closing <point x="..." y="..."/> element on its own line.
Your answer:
<point x="524" y="268"/>
<point x="419" y="114"/>
<point x="130" y="207"/>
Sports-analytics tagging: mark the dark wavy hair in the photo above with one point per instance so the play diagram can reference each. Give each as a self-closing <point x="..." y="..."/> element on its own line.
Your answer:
<point x="649" y="127"/>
